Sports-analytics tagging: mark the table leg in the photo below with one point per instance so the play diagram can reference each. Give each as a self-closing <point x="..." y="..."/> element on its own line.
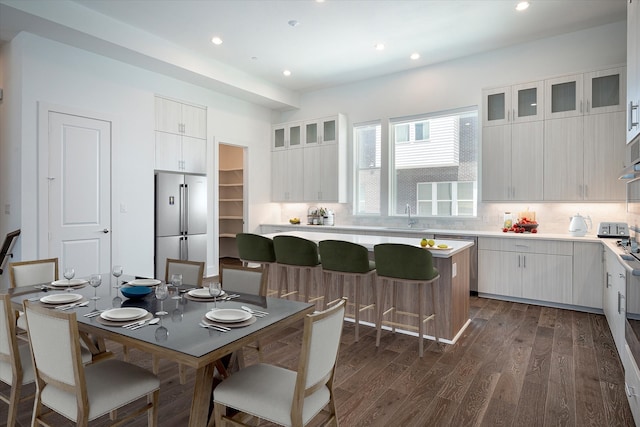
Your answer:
<point x="202" y="396"/>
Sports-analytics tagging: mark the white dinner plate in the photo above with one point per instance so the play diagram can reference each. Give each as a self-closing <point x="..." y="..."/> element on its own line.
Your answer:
<point x="228" y="315"/>
<point x="124" y="314"/>
<point x="144" y="282"/>
<point x="202" y="293"/>
<point x="63" y="283"/>
<point x="60" y="298"/>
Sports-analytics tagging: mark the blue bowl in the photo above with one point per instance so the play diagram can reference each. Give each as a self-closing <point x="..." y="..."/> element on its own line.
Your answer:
<point x="135" y="291"/>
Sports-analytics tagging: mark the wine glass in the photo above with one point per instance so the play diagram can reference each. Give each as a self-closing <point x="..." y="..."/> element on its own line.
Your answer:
<point x="68" y="274"/>
<point x="162" y="292"/>
<point x="215" y="290"/>
<point x="95" y="280"/>
<point x="176" y="282"/>
<point x="117" y="272"/>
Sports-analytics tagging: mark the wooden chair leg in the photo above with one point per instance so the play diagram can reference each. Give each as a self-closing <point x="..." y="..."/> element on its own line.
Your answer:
<point x="422" y="294"/>
<point x="434" y="298"/>
<point x="380" y="295"/>
<point x="357" y="283"/>
<point x="155" y="364"/>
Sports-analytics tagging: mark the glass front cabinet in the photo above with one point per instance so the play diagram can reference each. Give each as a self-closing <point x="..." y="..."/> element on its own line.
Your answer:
<point x="513" y="104"/>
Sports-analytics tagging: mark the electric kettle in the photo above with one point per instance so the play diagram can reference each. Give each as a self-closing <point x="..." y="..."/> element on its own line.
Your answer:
<point x="578" y="225"/>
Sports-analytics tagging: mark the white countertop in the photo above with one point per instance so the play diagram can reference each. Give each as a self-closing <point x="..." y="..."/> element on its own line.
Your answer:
<point x="339" y="229"/>
<point x="369" y="241"/>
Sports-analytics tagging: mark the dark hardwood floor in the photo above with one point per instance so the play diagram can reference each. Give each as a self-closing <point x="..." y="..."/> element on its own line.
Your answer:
<point x="515" y="365"/>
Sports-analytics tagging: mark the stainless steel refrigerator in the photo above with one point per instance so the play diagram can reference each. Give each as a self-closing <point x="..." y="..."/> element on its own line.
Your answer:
<point x="181" y="218"/>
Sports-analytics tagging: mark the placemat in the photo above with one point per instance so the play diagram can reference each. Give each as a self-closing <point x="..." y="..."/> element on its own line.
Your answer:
<point x="191" y="298"/>
<point x="49" y="305"/>
<point x="247" y="322"/>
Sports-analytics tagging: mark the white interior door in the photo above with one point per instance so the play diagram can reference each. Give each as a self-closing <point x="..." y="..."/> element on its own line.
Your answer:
<point x="79" y="193"/>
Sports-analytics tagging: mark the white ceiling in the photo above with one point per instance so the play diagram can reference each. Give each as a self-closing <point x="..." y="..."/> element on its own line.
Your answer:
<point x="332" y="45"/>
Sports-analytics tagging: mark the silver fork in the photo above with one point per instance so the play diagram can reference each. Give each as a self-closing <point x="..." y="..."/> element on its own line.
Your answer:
<point x="215" y="327"/>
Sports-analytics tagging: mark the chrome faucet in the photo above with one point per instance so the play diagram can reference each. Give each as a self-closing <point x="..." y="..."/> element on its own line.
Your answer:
<point x="407" y="210"/>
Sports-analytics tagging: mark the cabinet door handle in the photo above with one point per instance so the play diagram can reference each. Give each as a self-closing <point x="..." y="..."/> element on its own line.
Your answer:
<point x="524" y="261"/>
<point x="608" y="284"/>
<point x="622" y="276"/>
<point x="518" y="261"/>
<point x="588" y="106"/>
<point x="631" y="391"/>
<point x="620" y="298"/>
<point x="581" y="110"/>
<point x="632" y="108"/>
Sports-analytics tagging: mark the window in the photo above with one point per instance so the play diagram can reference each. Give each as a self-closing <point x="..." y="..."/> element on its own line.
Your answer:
<point x="367" y="142"/>
<point x="430" y="162"/>
<point x="434" y="164"/>
<point x="446" y="198"/>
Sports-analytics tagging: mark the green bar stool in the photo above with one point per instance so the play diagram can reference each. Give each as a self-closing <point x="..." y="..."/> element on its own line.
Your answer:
<point x="406" y="265"/>
<point x="257" y="249"/>
<point x="297" y="257"/>
<point x="345" y="260"/>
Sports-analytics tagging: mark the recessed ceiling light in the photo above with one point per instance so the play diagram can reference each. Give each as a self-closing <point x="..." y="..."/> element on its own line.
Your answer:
<point x="293" y="23"/>
<point x="286" y="73"/>
<point x="523" y="5"/>
<point x="379" y="46"/>
<point x="319" y="1"/>
<point x="415" y="56"/>
<point x="216" y="40"/>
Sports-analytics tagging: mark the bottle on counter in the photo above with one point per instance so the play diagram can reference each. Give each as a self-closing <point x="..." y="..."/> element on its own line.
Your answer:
<point x="508" y="220"/>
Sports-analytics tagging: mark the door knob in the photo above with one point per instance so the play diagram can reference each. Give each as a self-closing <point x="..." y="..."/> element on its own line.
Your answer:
<point x="105" y="231"/>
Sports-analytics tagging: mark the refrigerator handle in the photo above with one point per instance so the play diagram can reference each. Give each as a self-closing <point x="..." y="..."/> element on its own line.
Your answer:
<point x="186" y="209"/>
<point x="182" y="204"/>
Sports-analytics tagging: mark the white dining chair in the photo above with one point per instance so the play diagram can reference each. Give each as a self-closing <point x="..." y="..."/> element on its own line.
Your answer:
<point x="282" y="396"/>
<point x="192" y="271"/>
<point x="28" y="273"/>
<point x="16" y="368"/>
<point x="192" y="274"/>
<point x="79" y="393"/>
<point x="247" y="280"/>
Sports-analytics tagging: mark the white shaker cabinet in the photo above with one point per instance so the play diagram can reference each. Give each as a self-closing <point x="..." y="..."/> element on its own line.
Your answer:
<point x="315" y="170"/>
<point x="588" y="274"/>
<point x="522" y="268"/>
<point x="512" y="162"/>
<point x="287" y="171"/>
<point x="633" y="70"/>
<point x="180" y="153"/>
<point x="614" y="299"/>
<point x="585" y="154"/>
<point x="180" y="118"/>
<point x="180" y="137"/>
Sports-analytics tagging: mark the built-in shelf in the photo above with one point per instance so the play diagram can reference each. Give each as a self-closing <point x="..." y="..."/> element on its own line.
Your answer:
<point x="231" y="199"/>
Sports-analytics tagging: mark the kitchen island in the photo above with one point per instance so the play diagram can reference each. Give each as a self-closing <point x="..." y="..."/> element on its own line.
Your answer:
<point x="453" y="286"/>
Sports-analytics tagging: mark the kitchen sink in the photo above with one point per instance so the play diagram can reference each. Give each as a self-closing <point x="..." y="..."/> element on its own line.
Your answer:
<point x="628" y="257"/>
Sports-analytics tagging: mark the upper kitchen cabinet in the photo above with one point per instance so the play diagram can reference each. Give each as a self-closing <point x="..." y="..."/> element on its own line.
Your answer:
<point x="586" y="155"/>
<point x="180" y="118"/>
<point x="322" y="131"/>
<point x="287" y="135"/>
<point x="513" y="104"/>
<point x="181" y="137"/>
<point x="633" y="70"/>
<point x="512" y="162"/>
<point x="575" y="95"/>
<point x="309" y="161"/>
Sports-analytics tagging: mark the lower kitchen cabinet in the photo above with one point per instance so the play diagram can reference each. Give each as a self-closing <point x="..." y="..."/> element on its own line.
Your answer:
<point x="521" y="268"/>
<point x="614" y="299"/>
<point x="588" y="274"/>
<point x="632" y="384"/>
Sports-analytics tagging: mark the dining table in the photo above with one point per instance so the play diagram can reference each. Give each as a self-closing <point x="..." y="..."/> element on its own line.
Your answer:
<point x="178" y="335"/>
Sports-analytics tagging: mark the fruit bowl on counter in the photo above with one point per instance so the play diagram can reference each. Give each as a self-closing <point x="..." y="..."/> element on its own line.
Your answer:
<point x="523" y="225"/>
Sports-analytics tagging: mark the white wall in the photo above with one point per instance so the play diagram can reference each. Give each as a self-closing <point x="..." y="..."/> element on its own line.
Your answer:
<point x="458" y="84"/>
<point x="61" y="75"/>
